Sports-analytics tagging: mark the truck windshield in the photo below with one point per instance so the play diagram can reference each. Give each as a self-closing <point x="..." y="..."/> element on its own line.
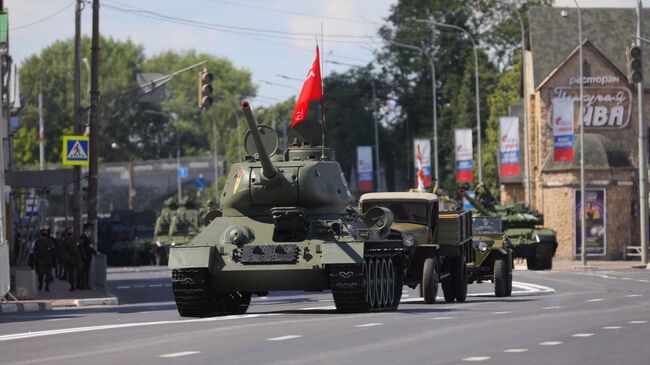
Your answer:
<point x="403" y="211"/>
<point x="490" y="225"/>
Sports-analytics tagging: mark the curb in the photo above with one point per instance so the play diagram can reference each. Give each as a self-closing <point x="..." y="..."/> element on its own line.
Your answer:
<point x="25" y="307"/>
<point x="109" y="300"/>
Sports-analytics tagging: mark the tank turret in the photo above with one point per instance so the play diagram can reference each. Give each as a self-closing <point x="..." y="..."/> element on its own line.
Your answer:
<point x="478" y="206"/>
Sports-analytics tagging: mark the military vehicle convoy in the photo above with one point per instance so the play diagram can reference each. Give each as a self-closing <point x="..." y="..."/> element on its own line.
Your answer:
<point x="523" y="226"/>
<point x="285" y="223"/>
<point x="435" y="242"/>
<point x="176" y="224"/>
<point x="490" y="256"/>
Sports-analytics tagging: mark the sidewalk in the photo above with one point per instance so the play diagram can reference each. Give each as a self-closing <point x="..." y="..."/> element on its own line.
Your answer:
<point x="59" y="296"/>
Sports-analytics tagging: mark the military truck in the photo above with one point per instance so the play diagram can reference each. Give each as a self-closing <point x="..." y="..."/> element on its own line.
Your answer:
<point x="285" y="223"/>
<point x="490" y="256"/>
<point x="523" y="226"/>
<point x="435" y="242"/>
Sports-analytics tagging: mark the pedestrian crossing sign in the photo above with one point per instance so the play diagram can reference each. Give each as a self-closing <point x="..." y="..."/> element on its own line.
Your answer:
<point x="75" y="150"/>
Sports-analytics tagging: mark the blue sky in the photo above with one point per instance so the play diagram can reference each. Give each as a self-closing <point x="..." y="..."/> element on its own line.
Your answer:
<point x="286" y="53"/>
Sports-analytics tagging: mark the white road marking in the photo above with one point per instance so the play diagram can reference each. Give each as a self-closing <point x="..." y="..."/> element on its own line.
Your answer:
<point x="527" y="289"/>
<point x="633" y="295"/>
<point x="20" y="336"/>
<point x="368" y="325"/>
<point x="502" y="312"/>
<point x="282" y="338"/>
<point x="155" y="285"/>
<point x="582" y="335"/>
<point x="612" y="327"/>
<point x="637" y="322"/>
<point x="138" y="286"/>
<point x="550" y="343"/>
<point x="329" y="307"/>
<point x="179" y="354"/>
<point x="476" y="358"/>
<point x="627" y="279"/>
<point x="58" y="319"/>
<point x="124" y="287"/>
<point x="515" y="351"/>
<point x="644" y="280"/>
<point x="441" y="318"/>
<point x="552" y="307"/>
<point x="595" y="300"/>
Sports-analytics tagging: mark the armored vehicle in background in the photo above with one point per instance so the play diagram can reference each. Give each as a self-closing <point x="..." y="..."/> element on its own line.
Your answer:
<point x="285" y="223"/>
<point x="185" y="222"/>
<point x="490" y="256"/>
<point x="522" y="225"/>
<point x="126" y="237"/>
<point x="435" y="242"/>
<point x="162" y="239"/>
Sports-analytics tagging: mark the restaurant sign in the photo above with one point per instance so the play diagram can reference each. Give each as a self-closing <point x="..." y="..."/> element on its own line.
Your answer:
<point x="604" y="107"/>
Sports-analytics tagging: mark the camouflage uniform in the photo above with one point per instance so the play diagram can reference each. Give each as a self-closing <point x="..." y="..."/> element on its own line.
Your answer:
<point x="73" y="260"/>
<point x="44" y="259"/>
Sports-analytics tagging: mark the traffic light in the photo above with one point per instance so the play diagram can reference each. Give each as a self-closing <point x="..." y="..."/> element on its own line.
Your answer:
<point x="634" y="65"/>
<point x="205" y="89"/>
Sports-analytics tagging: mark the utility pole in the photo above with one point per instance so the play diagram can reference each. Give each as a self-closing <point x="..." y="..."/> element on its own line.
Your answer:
<point x="94" y="114"/>
<point x="41" y="131"/>
<point x="374" y="117"/>
<point x="215" y="158"/>
<point x="178" y="166"/>
<point x="76" y="195"/>
<point x="643" y="162"/>
<point x="581" y="121"/>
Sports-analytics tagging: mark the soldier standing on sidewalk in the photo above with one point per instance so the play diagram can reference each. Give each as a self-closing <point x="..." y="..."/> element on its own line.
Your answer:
<point x="87" y="252"/>
<point x="44" y="259"/>
<point x="72" y="255"/>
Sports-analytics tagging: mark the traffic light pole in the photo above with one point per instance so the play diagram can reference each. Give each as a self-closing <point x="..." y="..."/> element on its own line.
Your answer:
<point x="643" y="164"/>
<point x="76" y="196"/>
<point x="94" y="114"/>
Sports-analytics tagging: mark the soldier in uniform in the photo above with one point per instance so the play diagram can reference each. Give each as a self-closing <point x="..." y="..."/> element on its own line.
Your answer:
<point x="87" y="251"/>
<point x="44" y="259"/>
<point x="484" y="196"/>
<point x="72" y="254"/>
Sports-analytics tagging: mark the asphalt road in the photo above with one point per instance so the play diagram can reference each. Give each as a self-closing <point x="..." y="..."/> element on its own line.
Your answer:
<point x="552" y="318"/>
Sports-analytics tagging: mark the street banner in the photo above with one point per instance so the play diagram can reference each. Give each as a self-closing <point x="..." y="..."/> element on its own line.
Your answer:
<point x="509" y="151"/>
<point x="464" y="155"/>
<point x="595" y="221"/>
<point x="563" y="129"/>
<point x="422" y="159"/>
<point x="364" y="168"/>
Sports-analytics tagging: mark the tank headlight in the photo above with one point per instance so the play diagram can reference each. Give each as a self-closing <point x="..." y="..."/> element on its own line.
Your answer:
<point x="408" y="240"/>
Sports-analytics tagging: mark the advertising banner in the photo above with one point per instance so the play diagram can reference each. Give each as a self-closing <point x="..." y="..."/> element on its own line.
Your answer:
<point x="595" y="221"/>
<point x="364" y="168"/>
<point x="464" y="155"/>
<point x="509" y="151"/>
<point x="422" y="158"/>
<point x="563" y="129"/>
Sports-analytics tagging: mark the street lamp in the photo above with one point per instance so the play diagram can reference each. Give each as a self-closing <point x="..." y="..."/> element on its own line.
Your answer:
<point x="435" y="108"/>
<point x="583" y="227"/>
<point x="478" y="102"/>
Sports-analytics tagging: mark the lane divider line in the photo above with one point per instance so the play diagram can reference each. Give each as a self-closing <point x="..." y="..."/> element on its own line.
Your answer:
<point x="476" y="358"/>
<point x="550" y="343"/>
<point x="515" y="351"/>
<point x="582" y="335"/>
<point x="283" y="338"/>
<point x="179" y="354"/>
<point x="368" y="325"/>
<point x="612" y="327"/>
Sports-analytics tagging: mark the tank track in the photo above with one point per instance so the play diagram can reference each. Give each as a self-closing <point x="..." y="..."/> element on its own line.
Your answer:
<point x="195" y="297"/>
<point x="354" y="292"/>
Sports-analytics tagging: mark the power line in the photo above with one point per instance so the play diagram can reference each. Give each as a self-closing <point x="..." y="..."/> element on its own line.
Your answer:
<point x="46" y="18"/>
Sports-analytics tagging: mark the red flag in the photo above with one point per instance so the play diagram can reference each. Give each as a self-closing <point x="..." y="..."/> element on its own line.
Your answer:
<point x="312" y="89"/>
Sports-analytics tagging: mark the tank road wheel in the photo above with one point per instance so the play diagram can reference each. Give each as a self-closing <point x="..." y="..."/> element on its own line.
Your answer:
<point x="501" y="277"/>
<point x="374" y="285"/>
<point x="429" y="283"/>
<point x="544" y="253"/>
<point x="509" y="281"/>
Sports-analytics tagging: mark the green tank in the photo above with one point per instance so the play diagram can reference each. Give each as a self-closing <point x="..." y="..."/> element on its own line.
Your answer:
<point x="285" y="223"/>
<point x="185" y="223"/>
<point x="524" y="228"/>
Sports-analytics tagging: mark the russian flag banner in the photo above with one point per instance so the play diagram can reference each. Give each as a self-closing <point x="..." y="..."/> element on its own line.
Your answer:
<point x="464" y="155"/>
<point x="563" y="126"/>
<point x="509" y="152"/>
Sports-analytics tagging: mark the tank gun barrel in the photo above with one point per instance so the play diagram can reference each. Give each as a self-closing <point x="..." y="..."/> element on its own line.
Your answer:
<point x="268" y="170"/>
<point x="474" y="203"/>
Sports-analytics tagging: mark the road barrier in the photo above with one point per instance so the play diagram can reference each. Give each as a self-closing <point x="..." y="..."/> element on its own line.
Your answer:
<point x="5" y="275"/>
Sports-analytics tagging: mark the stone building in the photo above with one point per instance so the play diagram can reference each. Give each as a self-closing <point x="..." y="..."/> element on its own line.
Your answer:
<point x="611" y="128"/>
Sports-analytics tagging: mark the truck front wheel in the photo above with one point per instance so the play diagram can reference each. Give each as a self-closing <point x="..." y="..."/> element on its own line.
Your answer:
<point x="429" y="283"/>
<point x="454" y="286"/>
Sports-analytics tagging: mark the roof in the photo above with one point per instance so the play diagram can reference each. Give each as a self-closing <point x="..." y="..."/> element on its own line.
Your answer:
<point x="429" y="197"/>
<point x="553" y="37"/>
<point x="600" y="153"/>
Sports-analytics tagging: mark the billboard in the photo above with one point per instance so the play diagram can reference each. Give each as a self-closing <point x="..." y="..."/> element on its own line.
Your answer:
<point x="509" y="149"/>
<point x="364" y="168"/>
<point x="595" y="221"/>
<point x="464" y="155"/>
<point x="422" y="159"/>
<point x="563" y="129"/>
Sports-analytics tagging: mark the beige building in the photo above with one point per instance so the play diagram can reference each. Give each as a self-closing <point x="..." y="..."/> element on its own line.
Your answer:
<point x="611" y="129"/>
